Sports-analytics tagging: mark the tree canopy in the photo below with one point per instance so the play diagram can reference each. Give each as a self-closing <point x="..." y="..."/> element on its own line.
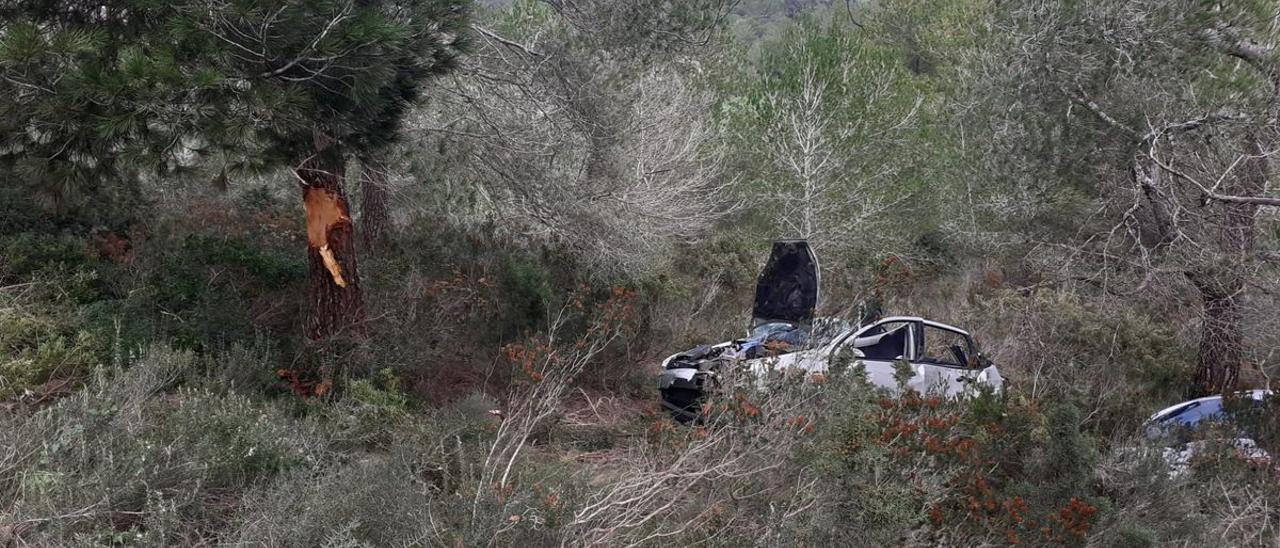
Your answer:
<point x="97" y="91"/>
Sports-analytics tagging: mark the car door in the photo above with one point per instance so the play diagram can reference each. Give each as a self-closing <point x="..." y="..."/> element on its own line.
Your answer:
<point x="877" y="347"/>
<point x="943" y="360"/>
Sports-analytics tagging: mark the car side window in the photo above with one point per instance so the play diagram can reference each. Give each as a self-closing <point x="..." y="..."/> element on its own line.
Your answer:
<point x="944" y="347"/>
<point x="887" y="341"/>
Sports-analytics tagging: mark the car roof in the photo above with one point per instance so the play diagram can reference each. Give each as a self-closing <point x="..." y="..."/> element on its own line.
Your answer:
<point x="858" y="329"/>
<point x="1256" y="395"/>
<point x="917" y="319"/>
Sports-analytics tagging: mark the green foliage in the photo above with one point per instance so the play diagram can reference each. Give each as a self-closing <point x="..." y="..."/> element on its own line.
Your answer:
<point x="32" y="355"/>
<point x="834" y="138"/>
<point x="383" y="390"/>
<point x="41" y="339"/>
<point x="947" y="123"/>
<point x="34" y="254"/>
<point x="1067" y="459"/>
<point x="97" y="97"/>
<point x="216" y="291"/>
<point x="188" y="270"/>
<point x="940" y="471"/>
<point x="528" y="290"/>
<point x="1259" y="421"/>
<point x="755" y="21"/>
<point x="1123" y="363"/>
<point x="371" y="502"/>
<point x="124" y="447"/>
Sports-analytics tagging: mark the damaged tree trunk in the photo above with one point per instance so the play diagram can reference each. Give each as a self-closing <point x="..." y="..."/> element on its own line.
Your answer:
<point x="373" y="203"/>
<point x="336" y="302"/>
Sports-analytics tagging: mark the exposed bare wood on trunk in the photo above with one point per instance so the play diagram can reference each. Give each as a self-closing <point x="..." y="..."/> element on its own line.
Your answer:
<point x="337" y="304"/>
<point x="373" y="203"/>
<point x="324" y="211"/>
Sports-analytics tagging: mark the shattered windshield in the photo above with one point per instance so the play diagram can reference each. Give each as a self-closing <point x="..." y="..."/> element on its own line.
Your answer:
<point x="781" y="337"/>
<point x="774" y="338"/>
<point x="763" y="331"/>
<point x="1181" y="424"/>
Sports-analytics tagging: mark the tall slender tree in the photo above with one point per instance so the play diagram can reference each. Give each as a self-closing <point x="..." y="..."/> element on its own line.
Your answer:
<point x="828" y="122"/>
<point x="1165" y="112"/>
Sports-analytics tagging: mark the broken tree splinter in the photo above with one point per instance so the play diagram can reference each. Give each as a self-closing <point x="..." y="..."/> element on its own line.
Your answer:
<point x="324" y="211"/>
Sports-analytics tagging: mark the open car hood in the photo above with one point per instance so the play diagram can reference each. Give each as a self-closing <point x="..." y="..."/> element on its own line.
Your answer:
<point x="787" y="289"/>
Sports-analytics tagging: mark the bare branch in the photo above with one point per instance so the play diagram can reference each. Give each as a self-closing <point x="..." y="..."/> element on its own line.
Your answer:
<point x="1229" y="40"/>
<point x="1210" y="194"/>
<point x="1101" y="114"/>
<point x="508" y="42"/>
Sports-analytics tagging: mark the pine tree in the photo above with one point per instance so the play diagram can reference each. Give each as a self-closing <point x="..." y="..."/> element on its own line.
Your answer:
<point x="96" y="95"/>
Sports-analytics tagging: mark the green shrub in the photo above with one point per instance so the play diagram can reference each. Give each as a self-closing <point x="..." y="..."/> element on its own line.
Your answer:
<point x="28" y="253"/>
<point x="1147" y="505"/>
<point x="373" y="411"/>
<point x="374" y="501"/>
<point x="40" y="341"/>
<point x="424" y="487"/>
<point x="992" y="469"/>
<point x="30" y="365"/>
<point x="130" y="447"/>
<point x="218" y="290"/>
<point x="526" y="294"/>
<point x="1119" y="364"/>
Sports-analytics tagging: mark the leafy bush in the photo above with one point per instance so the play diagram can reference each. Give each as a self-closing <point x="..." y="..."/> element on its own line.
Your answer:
<point x="219" y="290"/>
<point x="126" y="450"/>
<point x="528" y="293"/>
<point x="926" y="470"/>
<point x="374" y="501"/>
<point x="41" y="340"/>
<point x="1116" y="365"/>
<point x="28" y="253"/>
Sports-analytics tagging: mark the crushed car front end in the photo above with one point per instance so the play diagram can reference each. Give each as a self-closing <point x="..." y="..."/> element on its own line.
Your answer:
<point x="687" y="376"/>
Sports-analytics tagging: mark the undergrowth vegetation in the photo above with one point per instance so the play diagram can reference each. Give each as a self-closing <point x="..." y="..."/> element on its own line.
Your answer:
<point x="159" y="397"/>
<point x="593" y="186"/>
<point x="165" y="446"/>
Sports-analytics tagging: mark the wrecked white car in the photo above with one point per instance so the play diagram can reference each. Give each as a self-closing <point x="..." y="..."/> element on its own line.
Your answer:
<point x="785" y="336"/>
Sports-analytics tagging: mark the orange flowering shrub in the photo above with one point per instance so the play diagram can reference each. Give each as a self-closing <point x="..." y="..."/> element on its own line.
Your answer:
<point x="980" y="449"/>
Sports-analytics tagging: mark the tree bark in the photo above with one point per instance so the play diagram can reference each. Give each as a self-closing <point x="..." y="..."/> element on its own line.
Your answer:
<point x="1222" y="283"/>
<point x="1221" y="350"/>
<point x="373" y="203"/>
<point x="335" y="298"/>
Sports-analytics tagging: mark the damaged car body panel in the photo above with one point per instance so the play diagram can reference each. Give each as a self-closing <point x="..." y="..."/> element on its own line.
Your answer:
<point x="944" y="360"/>
<point x="782" y="318"/>
<point x="785" y="336"/>
<point x="787" y="290"/>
